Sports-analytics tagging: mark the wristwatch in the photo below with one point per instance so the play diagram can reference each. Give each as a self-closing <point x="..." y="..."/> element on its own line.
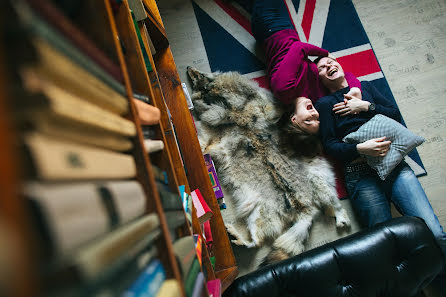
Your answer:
<point x="372" y="107"/>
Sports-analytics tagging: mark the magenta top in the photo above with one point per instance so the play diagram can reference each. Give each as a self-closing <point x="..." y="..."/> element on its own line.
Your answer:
<point x="290" y="71"/>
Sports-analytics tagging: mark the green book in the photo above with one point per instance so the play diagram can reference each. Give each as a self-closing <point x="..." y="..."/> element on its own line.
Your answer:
<point x="191" y="277"/>
<point x="141" y="44"/>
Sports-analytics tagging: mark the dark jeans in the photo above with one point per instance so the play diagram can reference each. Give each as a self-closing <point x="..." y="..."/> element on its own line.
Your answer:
<point x="269" y="17"/>
<point x="371" y="197"/>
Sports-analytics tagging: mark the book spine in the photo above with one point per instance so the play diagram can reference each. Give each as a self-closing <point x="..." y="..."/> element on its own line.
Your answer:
<point x="213" y="176"/>
<point x="170" y="288"/>
<point x="59" y="21"/>
<point x="66" y="106"/>
<point x="169" y="199"/>
<point x="78" y="213"/>
<point x="98" y="255"/>
<point x="61" y="160"/>
<point x="198" y="285"/>
<point x="149" y="282"/>
<point x="82" y="78"/>
<point x="204" y="213"/>
<point x="191" y="278"/>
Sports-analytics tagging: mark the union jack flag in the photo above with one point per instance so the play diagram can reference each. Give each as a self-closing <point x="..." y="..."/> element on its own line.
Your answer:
<point x="330" y="24"/>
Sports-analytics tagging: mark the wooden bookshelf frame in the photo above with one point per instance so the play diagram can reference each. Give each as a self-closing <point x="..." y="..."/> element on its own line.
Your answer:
<point x="197" y="175"/>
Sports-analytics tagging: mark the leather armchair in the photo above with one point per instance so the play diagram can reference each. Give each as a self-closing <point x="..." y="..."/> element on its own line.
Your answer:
<point x="397" y="258"/>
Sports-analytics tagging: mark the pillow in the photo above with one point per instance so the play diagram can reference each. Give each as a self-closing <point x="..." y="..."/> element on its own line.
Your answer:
<point x="403" y="141"/>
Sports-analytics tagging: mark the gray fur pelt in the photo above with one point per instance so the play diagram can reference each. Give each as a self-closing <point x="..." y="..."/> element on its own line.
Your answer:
<point x="276" y="194"/>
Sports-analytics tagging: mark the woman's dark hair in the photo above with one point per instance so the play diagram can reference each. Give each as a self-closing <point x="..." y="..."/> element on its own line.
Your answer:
<point x="294" y="140"/>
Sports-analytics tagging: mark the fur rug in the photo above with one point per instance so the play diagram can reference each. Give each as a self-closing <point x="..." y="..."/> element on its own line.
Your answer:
<point x="276" y="195"/>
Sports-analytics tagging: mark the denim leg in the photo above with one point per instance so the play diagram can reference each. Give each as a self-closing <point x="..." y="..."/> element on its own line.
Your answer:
<point x="268" y="17"/>
<point x="411" y="200"/>
<point x="368" y="197"/>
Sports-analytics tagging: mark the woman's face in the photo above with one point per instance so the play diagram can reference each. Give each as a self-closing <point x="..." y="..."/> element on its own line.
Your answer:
<point x="305" y="115"/>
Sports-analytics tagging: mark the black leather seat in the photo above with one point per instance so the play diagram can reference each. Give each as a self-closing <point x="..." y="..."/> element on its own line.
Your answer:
<point x="397" y="258"/>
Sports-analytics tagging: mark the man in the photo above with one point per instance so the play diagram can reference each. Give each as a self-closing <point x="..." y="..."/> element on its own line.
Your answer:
<point x="341" y="114"/>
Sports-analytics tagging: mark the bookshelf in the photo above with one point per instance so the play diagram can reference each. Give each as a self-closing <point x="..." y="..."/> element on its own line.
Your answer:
<point x="108" y="26"/>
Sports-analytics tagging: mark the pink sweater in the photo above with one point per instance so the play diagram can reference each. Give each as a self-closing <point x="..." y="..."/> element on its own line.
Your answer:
<point x="290" y="71"/>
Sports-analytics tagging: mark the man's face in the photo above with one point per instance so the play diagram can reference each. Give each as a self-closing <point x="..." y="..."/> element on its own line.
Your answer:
<point x="330" y="72"/>
<point x="305" y="115"/>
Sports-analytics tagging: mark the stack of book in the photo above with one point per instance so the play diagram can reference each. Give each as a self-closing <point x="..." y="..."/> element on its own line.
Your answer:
<point x="88" y="208"/>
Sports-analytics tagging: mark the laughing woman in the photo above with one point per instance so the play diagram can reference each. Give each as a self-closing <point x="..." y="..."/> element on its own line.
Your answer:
<point x="293" y="76"/>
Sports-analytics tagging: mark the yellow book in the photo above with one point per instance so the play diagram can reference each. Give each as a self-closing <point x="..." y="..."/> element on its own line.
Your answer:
<point x="169" y="288"/>
<point x="62" y="130"/>
<point x="66" y="106"/>
<point x="55" y="159"/>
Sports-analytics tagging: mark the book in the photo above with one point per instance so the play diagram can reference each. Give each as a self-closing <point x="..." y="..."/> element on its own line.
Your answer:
<point x="138" y="9"/>
<point x="184" y="249"/>
<point x="54" y="159"/>
<point x="204" y="213"/>
<point x="57" y="19"/>
<point x="175" y="219"/>
<point x="198" y="247"/>
<point x="63" y="130"/>
<point x="57" y="102"/>
<point x="149" y="282"/>
<point x="94" y="258"/>
<point x="214" y="287"/>
<point x="191" y="277"/>
<point x="141" y="45"/>
<point x="170" y="288"/>
<point x="213" y="176"/>
<point x="61" y="69"/>
<point x="75" y="213"/>
<point x="169" y="199"/>
<point x="83" y="53"/>
<point x="199" y="285"/>
<point x="160" y="175"/>
<point x="208" y="234"/>
<point x="147" y="114"/>
<point x="190" y="104"/>
<point x="153" y="145"/>
<point x="121" y="275"/>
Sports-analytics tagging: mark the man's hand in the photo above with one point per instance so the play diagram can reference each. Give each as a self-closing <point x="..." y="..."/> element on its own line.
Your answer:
<point x="376" y="147"/>
<point x="350" y="106"/>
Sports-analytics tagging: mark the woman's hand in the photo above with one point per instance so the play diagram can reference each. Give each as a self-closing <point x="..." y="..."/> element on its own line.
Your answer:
<point x="351" y="105"/>
<point x="376" y="147"/>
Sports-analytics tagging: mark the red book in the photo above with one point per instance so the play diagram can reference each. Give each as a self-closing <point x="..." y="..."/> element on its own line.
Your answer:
<point x="214" y="288"/>
<point x="207" y="233"/>
<point x="204" y="213"/>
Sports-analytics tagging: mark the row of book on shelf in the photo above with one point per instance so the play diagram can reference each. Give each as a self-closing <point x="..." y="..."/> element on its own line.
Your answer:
<point x="96" y="237"/>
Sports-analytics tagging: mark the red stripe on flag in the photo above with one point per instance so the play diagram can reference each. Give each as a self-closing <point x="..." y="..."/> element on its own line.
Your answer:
<point x="235" y="14"/>
<point x="263" y="82"/>
<point x="360" y="64"/>
<point x="307" y="18"/>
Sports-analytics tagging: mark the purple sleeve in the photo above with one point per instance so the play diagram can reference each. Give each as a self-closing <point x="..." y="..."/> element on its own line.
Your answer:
<point x="352" y="81"/>
<point x="288" y="78"/>
<point x="312" y="50"/>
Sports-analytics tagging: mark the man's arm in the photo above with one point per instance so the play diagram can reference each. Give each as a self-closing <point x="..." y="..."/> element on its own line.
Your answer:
<point x="382" y="105"/>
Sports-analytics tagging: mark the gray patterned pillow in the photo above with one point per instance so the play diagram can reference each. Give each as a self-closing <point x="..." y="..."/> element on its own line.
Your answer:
<point x="403" y="141"/>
